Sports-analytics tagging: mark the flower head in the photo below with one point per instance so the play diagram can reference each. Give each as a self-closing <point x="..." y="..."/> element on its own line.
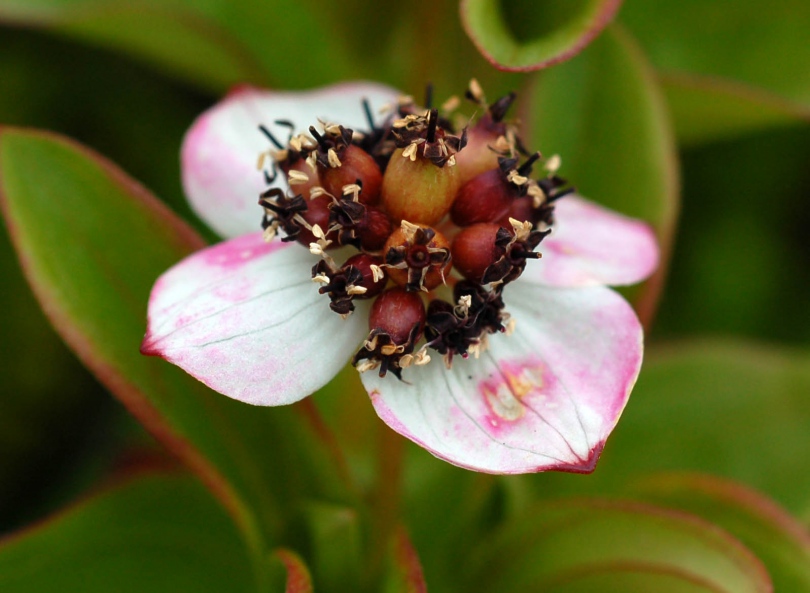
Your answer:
<point x="468" y="289"/>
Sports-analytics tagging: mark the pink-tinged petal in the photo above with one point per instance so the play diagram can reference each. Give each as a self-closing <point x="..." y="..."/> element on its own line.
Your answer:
<point x="590" y="245"/>
<point x="245" y="318"/>
<point x="221" y="150"/>
<point x="544" y="398"/>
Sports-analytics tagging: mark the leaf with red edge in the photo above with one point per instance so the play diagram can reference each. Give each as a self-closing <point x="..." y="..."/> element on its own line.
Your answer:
<point x="298" y="579"/>
<point x="153" y="532"/>
<point x="525" y="35"/>
<point x="92" y="242"/>
<point x="405" y="570"/>
<point x="779" y="540"/>
<point x="561" y="546"/>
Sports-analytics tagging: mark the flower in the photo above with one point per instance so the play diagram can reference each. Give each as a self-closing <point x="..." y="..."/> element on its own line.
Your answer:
<point x="245" y="317"/>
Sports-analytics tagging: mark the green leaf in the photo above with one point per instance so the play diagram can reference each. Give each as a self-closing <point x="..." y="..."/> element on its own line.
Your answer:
<point x="332" y="536"/>
<point x="781" y="542"/>
<point x="92" y="242"/>
<point x="564" y="545"/>
<point x="740" y="40"/>
<point x="51" y="421"/>
<point x="707" y="109"/>
<point x="153" y="533"/>
<point x="603" y="113"/>
<point x="214" y="43"/>
<point x="405" y="570"/>
<point x="524" y="35"/>
<point x="742" y="268"/>
<point x="726" y="408"/>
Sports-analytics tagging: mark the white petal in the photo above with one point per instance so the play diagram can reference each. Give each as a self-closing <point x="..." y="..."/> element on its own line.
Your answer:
<point x="221" y="150"/>
<point x="544" y="398"/>
<point x="245" y="318"/>
<point x="590" y="245"/>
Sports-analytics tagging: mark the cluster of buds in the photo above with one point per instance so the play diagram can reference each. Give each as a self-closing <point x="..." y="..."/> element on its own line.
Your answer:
<point x="428" y="213"/>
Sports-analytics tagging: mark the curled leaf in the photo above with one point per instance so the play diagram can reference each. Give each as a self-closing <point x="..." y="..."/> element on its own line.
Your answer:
<point x="522" y="36"/>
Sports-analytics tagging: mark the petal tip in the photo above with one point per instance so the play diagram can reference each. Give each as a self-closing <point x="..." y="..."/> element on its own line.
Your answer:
<point x="583" y="466"/>
<point x="149" y="346"/>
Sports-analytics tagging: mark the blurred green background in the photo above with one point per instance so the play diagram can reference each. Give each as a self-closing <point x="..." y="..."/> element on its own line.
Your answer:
<point x="729" y="347"/>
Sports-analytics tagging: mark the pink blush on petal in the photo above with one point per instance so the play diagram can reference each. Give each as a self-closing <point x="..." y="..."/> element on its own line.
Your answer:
<point x="519" y="389"/>
<point x="239" y="251"/>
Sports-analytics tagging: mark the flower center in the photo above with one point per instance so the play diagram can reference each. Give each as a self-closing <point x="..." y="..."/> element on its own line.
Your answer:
<point x="440" y="221"/>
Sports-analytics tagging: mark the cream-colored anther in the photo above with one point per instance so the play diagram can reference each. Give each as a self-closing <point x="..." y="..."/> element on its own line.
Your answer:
<point x="522" y="229"/>
<point x="366" y="365"/>
<point x="451" y="104"/>
<point x="333" y="159"/>
<point x="422" y="357"/>
<point x="317" y="192"/>
<point x="353" y="290"/>
<point x="476" y="91"/>
<point x="410" y="151"/>
<point x="297" y="177"/>
<point x="516" y="178"/>
<point x="463" y="306"/>
<point x="377" y="273"/>
<point x="263" y="157"/>
<point x="553" y="164"/>
<point x="270" y="232"/>
<point x="510" y="326"/>
<point x="352" y="188"/>
<point x="409" y="230"/>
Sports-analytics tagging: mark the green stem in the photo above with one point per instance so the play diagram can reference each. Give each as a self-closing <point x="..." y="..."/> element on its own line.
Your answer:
<point x="385" y="499"/>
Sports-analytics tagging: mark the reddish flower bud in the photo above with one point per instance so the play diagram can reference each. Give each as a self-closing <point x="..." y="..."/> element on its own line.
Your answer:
<point x="484" y="198"/>
<point x="397" y="312"/>
<point x="480" y="153"/>
<point x="317" y="212"/>
<point x="355" y="165"/>
<point x="521" y="209"/>
<point x="417" y="257"/>
<point x="474" y="250"/>
<point x="364" y="262"/>
<point x="486" y="140"/>
<point x="300" y="176"/>
<point x="373" y="229"/>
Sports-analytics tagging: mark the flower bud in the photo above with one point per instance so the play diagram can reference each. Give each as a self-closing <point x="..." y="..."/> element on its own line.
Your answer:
<point x="486" y="140"/>
<point x="300" y="177"/>
<point x="474" y="250"/>
<point x="317" y="213"/>
<point x="373" y="229"/>
<point x="417" y="190"/>
<point x="396" y="312"/>
<point x="356" y="166"/>
<point x="373" y="281"/>
<point x="417" y="257"/>
<point x="484" y="198"/>
<point x="521" y="208"/>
